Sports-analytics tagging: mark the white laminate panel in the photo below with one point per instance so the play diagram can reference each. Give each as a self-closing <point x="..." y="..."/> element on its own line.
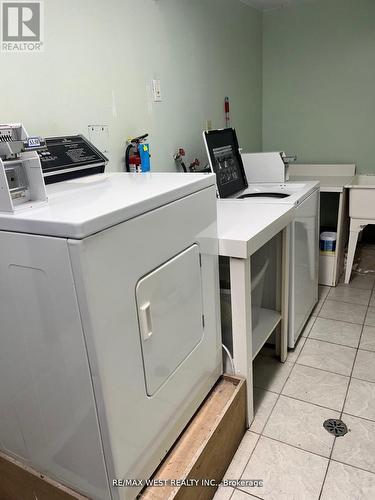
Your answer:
<point x="328" y="184"/>
<point x="244" y="227"/>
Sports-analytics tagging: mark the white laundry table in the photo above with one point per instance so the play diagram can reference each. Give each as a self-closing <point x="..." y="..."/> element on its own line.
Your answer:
<point x="243" y="228"/>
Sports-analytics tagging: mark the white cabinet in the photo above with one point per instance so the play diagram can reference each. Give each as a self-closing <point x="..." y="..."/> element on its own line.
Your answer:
<point x="333" y="211"/>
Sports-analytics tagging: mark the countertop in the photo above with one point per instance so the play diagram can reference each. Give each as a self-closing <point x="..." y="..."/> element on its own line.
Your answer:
<point x="243" y="228"/>
<point x="362" y="182"/>
<point x="328" y="184"/>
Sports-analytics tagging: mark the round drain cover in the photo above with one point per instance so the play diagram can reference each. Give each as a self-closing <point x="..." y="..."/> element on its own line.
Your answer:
<point x="335" y="427"/>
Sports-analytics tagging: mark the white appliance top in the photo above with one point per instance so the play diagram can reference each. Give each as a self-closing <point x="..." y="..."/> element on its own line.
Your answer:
<point x="328" y="184"/>
<point x="297" y="191"/>
<point x="81" y="207"/>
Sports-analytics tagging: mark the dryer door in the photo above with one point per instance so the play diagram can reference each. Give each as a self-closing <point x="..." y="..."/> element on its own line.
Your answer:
<point x="170" y="316"/>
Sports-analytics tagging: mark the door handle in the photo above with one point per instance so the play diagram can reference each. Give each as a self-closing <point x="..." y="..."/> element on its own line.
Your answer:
<point x="145" y="321"/>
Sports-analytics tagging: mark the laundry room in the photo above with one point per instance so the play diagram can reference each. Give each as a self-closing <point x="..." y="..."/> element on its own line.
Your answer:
<point x="187" y="250"/>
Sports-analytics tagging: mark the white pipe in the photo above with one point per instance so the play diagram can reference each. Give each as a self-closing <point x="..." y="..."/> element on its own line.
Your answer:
<point x="230" y="358"/>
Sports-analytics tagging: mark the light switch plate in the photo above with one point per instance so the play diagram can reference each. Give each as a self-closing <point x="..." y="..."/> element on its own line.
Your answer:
<point x="156" y="91"/>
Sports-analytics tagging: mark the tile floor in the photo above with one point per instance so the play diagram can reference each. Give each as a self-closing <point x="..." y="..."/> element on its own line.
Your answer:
<point x="330" y="374"/>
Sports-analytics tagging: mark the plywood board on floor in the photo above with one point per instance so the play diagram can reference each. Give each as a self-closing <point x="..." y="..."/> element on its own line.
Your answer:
<point x="206" y="447"/>
<point x="19" y="482"/>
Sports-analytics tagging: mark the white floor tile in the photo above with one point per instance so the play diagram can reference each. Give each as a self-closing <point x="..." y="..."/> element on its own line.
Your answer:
<point x="270" y="374"/>
<point x="241" y="495"/>
<point x="351" y="295"/>
<point x="352" y="313"/>
<point x="301" y="424"/>
<point x="317" y="386"/>
<point x="223" y="493"/>
<point x="242" y="456"/>
<point x="268" y="350"/>
<point x="264" y="401"/>
<point x="294" y="353"/>
<point x="287" y="472"/>
<point x="323" y="291"/>
<point x="333" y="358"/>
<point x="318" y="307"/>
<point x="370" y="316"/>
<point x="348" y="483"/>
<point x="308" y="326"/>
<point x="337" y="332"/>
<point x="364" y="367"/>
<point x="368" y="338"/>
<point x="362" y="281"/>
<point x="357" y="447"/>
<point x="360" y="400"/>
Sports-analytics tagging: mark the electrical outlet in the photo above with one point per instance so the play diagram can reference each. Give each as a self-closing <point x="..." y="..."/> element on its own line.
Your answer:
<point x="208" y="125"/>
<point x="99" y="136"/>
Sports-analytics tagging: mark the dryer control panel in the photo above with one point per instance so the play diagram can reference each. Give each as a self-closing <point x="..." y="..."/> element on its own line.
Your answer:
<point x="69" y="157"/>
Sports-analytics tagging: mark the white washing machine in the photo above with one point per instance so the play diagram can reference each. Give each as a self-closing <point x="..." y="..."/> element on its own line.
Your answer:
<point x="226" y="161"/>
<point x="110" y="331"/>
<point x="304" y="245"/>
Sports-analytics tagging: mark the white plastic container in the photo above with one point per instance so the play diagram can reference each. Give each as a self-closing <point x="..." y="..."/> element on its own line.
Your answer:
<point x="328" y="241"/>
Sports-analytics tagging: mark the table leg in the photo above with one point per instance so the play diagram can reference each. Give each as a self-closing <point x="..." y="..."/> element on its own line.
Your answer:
<point x="355" y="229"/>
<point x="240" y="283"/>
<point x="282" y="331"/>
<point x="284" y="294"/>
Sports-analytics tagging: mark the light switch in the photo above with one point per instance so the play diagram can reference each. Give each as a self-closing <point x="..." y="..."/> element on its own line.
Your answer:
<point x="156" y="90"/>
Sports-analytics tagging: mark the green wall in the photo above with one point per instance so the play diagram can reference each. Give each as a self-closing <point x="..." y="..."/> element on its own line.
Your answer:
<point x="100" y="58"/>
<point x="318" y="90"/>
<point x="319" y="82"/>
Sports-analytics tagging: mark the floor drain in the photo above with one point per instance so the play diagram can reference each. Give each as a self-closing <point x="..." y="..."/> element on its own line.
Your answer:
<point x="335" y="427"/>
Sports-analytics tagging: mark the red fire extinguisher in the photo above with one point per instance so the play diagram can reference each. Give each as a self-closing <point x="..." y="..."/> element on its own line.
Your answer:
<point x="227" y="113"/>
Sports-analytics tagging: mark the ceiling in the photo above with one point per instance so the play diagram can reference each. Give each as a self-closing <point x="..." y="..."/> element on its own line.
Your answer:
<point x="273" y="4"/>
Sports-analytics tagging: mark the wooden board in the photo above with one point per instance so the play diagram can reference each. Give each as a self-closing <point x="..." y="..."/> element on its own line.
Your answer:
<point x="206" y="447"/>
<point x="19" y="482"/>
<point x="203" y="451"/>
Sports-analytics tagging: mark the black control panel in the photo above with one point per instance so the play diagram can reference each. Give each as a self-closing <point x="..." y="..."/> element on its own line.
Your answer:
<point x="226" y="162"/>
<point x="69" y="157"/>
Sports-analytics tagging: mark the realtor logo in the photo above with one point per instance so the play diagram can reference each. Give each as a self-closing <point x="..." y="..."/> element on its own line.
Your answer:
<point x="22" y="26"/>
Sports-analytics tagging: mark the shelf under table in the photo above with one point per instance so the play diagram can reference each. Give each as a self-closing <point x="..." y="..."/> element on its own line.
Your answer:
<point x="268" y="321"/>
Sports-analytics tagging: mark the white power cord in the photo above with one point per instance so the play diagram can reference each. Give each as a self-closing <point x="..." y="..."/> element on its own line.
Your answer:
<point x="230" y="358"/>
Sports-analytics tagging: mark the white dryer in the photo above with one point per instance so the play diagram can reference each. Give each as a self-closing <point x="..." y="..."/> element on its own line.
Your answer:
<point x="110" y="336"/>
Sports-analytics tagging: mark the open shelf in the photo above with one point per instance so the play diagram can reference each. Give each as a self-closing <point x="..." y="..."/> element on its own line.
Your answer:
<point x="268" y="321"/>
